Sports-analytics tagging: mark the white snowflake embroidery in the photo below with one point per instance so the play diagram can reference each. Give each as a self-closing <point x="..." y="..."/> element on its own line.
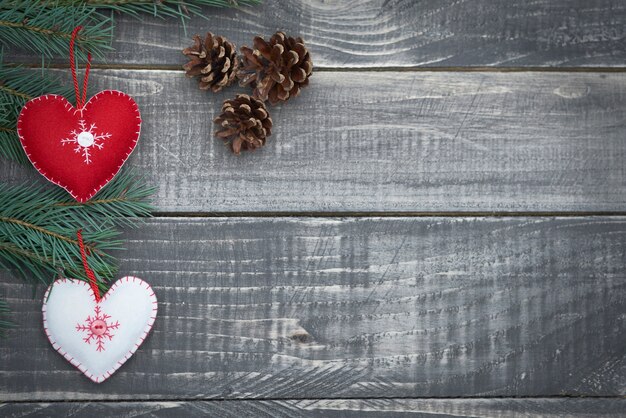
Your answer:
<point x="86" y="138"/>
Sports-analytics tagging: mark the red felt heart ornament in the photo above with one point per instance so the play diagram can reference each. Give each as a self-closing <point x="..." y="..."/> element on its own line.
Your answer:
<point x="80" y="149"/>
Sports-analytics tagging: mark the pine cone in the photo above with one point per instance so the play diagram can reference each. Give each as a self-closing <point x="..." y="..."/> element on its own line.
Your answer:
<point x="277" y="69"/>
<point x="245" y="122"/>
<point x="214" y="60"/>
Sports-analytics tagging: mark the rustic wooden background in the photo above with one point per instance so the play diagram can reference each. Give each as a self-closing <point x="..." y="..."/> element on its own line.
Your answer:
<point x="436" y="227"/>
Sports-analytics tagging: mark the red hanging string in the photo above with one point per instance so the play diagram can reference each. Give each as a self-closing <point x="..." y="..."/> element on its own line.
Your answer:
<point x="80" y="100"/>
<point x="92" y="277"/>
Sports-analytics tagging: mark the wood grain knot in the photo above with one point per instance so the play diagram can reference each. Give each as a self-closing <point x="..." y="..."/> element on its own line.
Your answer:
<point x="301" y="336"/>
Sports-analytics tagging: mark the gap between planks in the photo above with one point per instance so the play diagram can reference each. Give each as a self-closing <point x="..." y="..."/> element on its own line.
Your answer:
<point x="280" y="399"/>
<point x="157" y="214"/>
<point x="456" y="69"/>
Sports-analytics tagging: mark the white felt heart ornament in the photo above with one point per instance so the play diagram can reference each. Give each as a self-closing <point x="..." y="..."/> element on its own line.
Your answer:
<point x="98" y="336"/>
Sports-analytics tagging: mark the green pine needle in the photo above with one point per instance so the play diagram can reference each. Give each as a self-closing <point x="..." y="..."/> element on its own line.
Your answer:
<point x="17" y="86"/>
<point x="10" y="147"/>
<point x="163" y="8"/>
<point x="38" y="226"/>
<point x="46" y="30"/>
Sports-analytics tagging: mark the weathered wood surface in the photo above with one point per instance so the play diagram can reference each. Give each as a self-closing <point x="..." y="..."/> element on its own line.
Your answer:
<point x="374" y="141"/>
<point x="391" y="33"/>
<point x="306" y="309"/>
<point x="356" y="307"/>
<point x="334" y="408"/>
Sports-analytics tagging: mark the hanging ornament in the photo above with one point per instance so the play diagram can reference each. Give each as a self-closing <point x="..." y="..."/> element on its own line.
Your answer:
<point x="95" y="333"/>
<point x="80" y="148"/>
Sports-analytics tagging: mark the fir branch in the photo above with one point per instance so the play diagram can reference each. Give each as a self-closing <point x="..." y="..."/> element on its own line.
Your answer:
<point x="45" y="231"/>
<point x="121" y="201"/>
<point x="17" y="86"/>
<point x="45" y="28"/>
<point x="20" y="84"/>
<point x="10" y="147"/>
<point x="38" y="228"/>
<point x="162" y="8"/>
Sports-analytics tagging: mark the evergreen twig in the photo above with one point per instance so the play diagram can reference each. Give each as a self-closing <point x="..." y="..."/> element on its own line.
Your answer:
<point x="182" y="9"/>
<point x="38" y="228"/>
<point x="17" y="86"/>
<point x="45" y="30"/>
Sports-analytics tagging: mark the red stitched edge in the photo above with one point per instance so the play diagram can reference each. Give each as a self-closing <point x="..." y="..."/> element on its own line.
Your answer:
<point x="83" y="369"/>
<point x="67" y="103"/>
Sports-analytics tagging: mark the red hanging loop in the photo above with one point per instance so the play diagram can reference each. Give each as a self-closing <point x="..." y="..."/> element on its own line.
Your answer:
<point x="80" y="100"/>
<point x="92" y="277"/>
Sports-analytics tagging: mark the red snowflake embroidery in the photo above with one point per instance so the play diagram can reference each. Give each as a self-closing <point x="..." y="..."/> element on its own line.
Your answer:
<point x="98" y="328"/>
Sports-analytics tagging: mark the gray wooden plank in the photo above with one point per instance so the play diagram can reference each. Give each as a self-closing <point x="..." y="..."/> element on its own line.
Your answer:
<point x="387" y="33"/>
<point x="335" y="408"/>
<point x="357" y="307"/>
<point x="370" y="141"/>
